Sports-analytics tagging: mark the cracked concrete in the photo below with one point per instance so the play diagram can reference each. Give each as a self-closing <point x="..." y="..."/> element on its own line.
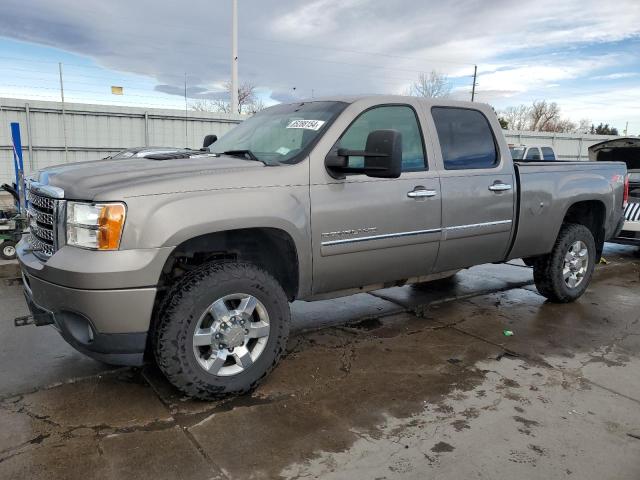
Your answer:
<point x="411" y="382"/>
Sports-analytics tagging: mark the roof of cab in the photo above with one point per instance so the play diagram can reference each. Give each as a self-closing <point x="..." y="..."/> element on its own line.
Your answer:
<point x="397" y="98"/>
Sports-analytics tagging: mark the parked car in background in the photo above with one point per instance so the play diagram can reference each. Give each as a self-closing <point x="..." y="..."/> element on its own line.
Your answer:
<point x="534" y="153"/>
<point x="194" y="260"/>
<point x="625" y="150"/>
<point x="143" y="152"/>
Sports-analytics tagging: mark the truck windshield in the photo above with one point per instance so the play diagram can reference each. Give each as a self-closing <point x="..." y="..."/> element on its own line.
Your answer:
<point x="517" y="153"/>
<point x="282" y="133"/>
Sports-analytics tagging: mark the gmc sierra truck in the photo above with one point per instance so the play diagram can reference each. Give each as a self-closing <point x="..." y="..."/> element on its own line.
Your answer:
<point x="192" y="258"/>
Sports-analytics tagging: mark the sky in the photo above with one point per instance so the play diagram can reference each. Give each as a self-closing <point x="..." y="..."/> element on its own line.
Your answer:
<point x="582" y="54"/>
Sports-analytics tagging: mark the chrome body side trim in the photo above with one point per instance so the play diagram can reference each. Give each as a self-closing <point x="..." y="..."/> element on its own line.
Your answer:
<point x="475" y="225"/>
<point x="380" y="237"/>
<point x="343" y="241"/>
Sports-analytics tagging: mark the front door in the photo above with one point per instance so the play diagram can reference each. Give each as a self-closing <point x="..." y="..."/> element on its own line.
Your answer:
<point x="478" y="190"/>
<point x="373" y="230"/>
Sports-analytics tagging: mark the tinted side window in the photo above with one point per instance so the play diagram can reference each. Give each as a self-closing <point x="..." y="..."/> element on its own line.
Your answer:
<point x="533" y="154"/>
<point x="466" y="139"/>
<point x="548" y="154"/>
<point x="397" y="117"/>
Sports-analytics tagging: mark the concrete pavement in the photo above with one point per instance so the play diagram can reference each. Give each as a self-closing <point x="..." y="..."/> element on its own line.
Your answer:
<point x="411" y="382"/>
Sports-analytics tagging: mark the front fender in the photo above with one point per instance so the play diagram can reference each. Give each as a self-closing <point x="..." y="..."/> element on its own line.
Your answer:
<point x="171" y="219"/>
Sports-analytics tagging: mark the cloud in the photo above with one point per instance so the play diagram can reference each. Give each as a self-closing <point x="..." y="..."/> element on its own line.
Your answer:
<point x="615" y="106"/>
<point x="616" y="76"/>
<point x="523" y="78"/>
<point x="330" y="46"/>
<point x="193" y="92"/>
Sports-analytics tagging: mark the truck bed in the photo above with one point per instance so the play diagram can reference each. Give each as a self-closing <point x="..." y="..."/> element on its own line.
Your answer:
<point x="546" y="191"/>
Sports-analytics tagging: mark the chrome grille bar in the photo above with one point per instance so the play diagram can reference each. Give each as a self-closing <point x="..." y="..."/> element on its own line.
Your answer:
<point x="42" y="210"/>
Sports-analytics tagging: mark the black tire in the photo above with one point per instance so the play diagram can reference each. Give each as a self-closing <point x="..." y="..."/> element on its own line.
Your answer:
<point x="8" y="250"/>
<point x="548" y="270"/>
<point x="177" y="320"/>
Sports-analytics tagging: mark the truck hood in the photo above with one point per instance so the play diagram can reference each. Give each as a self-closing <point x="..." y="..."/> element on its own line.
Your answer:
<point x="142" y="176"/>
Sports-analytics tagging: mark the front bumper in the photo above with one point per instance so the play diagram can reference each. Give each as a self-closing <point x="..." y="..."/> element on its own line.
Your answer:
<point x="109" y="324"/>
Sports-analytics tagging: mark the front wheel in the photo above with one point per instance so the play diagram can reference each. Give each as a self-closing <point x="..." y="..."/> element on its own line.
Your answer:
<point x="8" y="250"/>
<point x="223" y="329"/>
<point x="564" y="274"/>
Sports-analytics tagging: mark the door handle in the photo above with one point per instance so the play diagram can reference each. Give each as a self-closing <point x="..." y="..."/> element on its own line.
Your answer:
<point x="499" y="187"/>
<point x="421" y="193"/>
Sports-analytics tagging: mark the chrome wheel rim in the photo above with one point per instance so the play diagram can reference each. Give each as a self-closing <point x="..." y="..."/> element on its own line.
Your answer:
<point x="576" y="263"/>
<point x="9" y="250"/>
<point x="231" y="334"/>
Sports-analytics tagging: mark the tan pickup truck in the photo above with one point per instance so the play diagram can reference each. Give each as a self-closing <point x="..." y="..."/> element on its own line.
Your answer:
<point x="192" y="258"/>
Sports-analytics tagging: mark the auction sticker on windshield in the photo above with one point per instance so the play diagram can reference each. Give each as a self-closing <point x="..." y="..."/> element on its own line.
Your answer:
<point x="306" y="124"/>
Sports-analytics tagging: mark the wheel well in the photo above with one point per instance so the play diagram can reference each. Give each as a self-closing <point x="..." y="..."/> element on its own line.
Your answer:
<point x="591" y="214"/>
<point x="268" y="248"/>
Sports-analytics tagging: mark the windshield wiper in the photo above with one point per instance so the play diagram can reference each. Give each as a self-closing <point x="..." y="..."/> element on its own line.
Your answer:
<point x="247" y="154"/>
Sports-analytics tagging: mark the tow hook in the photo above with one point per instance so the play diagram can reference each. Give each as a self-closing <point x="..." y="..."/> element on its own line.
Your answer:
<point x="23" y="321"/>
<point x="38" y="320"/>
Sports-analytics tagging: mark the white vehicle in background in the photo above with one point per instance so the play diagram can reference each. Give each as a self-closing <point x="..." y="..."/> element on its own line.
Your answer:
<point x="625" y="150"/>
<point x="534" y="153"/>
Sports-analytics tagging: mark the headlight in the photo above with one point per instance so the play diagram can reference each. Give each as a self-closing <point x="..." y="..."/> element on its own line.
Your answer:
<point x="97" y="226"/>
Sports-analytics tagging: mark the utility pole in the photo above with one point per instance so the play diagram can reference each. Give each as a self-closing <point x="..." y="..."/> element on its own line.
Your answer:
<point x="64" y="121"/>
<point x="234" y="57"/>
<point x="473" y="88"/>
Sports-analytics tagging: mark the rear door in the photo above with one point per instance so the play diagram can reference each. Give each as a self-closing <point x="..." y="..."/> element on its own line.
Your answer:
<point x="372" y="230"/>
<point x="477" y="182"/>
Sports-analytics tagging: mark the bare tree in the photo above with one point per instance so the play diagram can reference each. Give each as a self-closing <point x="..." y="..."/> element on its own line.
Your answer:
<point x="584" y="126"/>
<point x="517" y="118"/>
<point x="561" y="125"/>
<point x="248" y="101"/>
<point x="540" y="116"/>
<point x="543" y="115"/>
<point x="431" y="85"/>
<point x="204" y="105"/>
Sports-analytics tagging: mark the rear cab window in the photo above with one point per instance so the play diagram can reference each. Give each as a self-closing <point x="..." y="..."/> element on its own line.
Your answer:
<point x="466" y="138"/>
<point x="517" y="153"/>
<point x="548" y="154"/>
<point x="533" y="154"/>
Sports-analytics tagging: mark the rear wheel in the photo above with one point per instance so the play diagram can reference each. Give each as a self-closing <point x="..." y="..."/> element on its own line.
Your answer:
<point x="224" y="328"/>
<point x="564" y="274"/>
<point x="8" y="250"/>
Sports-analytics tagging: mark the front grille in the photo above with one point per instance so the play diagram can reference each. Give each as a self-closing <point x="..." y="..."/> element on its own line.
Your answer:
<point x="632" y="212"/>
<point x="42" y="212"/>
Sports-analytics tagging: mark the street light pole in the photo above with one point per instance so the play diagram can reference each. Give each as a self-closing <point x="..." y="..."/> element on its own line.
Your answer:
<point x="234" y="57"/>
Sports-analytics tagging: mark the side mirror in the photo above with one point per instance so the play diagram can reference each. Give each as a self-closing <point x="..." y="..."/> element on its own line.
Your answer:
<point x="209" y="140"/>
<point x="382" y="157"/>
